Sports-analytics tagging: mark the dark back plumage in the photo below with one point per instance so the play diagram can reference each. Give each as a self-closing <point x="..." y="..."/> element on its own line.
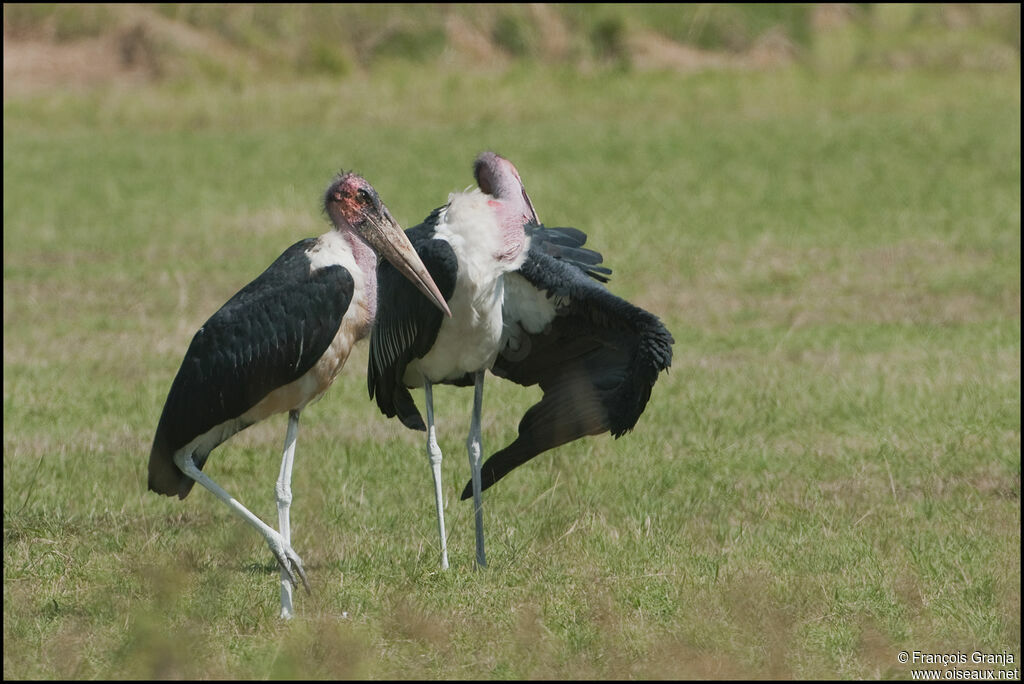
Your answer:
<point x="267" y="335"/>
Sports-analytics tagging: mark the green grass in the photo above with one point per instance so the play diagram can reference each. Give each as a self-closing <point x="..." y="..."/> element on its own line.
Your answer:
<point x="829" y="474"/>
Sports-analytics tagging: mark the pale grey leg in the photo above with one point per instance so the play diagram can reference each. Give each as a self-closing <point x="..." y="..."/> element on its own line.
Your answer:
<point x="434" y="454"/>
<point x="283" y="492"/>
<point x="282" y="551"/>
<point x="475" y="448"/>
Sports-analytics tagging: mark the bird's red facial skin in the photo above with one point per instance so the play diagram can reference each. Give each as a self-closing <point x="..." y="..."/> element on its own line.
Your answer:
<point x="346" y="195"/>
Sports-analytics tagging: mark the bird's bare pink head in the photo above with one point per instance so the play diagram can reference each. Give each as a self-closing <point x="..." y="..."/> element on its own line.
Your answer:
<point x="499" y="178"/>
<point x="351" y="201"/>
<point x="354" y="206"/>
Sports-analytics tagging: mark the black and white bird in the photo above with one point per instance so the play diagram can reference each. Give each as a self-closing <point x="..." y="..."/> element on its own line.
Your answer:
<point x="527" y="304"/>
<point x="276" y="346"/>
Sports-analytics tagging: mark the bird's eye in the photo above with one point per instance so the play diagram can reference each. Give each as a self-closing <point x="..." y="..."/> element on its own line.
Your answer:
<point x="363" y="196"/>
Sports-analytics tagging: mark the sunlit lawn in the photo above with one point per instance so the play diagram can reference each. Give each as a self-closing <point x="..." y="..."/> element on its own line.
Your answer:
<point x="829" y="474"/>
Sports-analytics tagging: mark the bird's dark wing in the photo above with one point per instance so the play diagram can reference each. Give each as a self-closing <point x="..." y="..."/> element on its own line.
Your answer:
<point x="407" y="323"/>
<point x="566" y="244"/>
<point x="266" y="336"/>
<point x="596" y="361"/>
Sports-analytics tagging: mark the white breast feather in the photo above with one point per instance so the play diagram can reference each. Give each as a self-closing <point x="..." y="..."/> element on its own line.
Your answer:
<point x="469" y="340"/>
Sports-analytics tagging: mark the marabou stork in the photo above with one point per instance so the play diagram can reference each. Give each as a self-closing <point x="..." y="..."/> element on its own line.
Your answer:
<point x="526" y="304"/>
<point x="276" y="346"/>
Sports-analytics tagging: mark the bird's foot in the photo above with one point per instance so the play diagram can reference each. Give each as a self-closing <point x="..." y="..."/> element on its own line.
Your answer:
<point x="289" y="561"/>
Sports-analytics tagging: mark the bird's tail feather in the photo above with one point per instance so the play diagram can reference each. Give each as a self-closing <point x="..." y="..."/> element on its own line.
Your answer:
<point x="397" y="402"/>
<point x="164" y="475"/>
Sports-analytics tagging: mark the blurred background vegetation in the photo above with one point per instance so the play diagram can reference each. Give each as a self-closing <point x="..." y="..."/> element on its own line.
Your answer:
<point x="236" y="44"/>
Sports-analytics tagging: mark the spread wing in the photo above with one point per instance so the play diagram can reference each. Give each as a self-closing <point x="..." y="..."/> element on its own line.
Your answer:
<point x="595" y="356"/>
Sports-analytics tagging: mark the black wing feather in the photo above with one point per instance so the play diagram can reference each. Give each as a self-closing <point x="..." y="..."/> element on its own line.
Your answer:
<point x="566" y="244"/>
<point x="407" y="323"/>
<point x="596" y="362"/>
<point x="266" y="336"/>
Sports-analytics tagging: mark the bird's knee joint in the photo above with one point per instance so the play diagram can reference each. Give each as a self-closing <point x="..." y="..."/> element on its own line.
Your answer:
<point x="186" y="464"/>
<point x="283" y="493"/>
<point x="434" y="453"/>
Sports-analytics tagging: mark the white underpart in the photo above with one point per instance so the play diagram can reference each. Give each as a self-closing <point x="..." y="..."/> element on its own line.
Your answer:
<point x="469" y="340"/>
<point x="526" y="310"/>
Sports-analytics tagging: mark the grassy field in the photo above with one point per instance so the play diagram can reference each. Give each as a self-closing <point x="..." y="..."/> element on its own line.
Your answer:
<point x="829" y="474"/>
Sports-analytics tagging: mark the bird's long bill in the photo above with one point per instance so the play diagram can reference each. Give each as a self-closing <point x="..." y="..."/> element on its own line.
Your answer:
<point x="532" y="213"/>
<point x="389" y="240"/>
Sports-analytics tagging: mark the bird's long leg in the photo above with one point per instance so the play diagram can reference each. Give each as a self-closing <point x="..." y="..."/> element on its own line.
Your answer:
<point x="434" y="454"/>
<point x="283" y="493"/>
<point x="474" y="447"/>
<point x="284" y="553"/>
